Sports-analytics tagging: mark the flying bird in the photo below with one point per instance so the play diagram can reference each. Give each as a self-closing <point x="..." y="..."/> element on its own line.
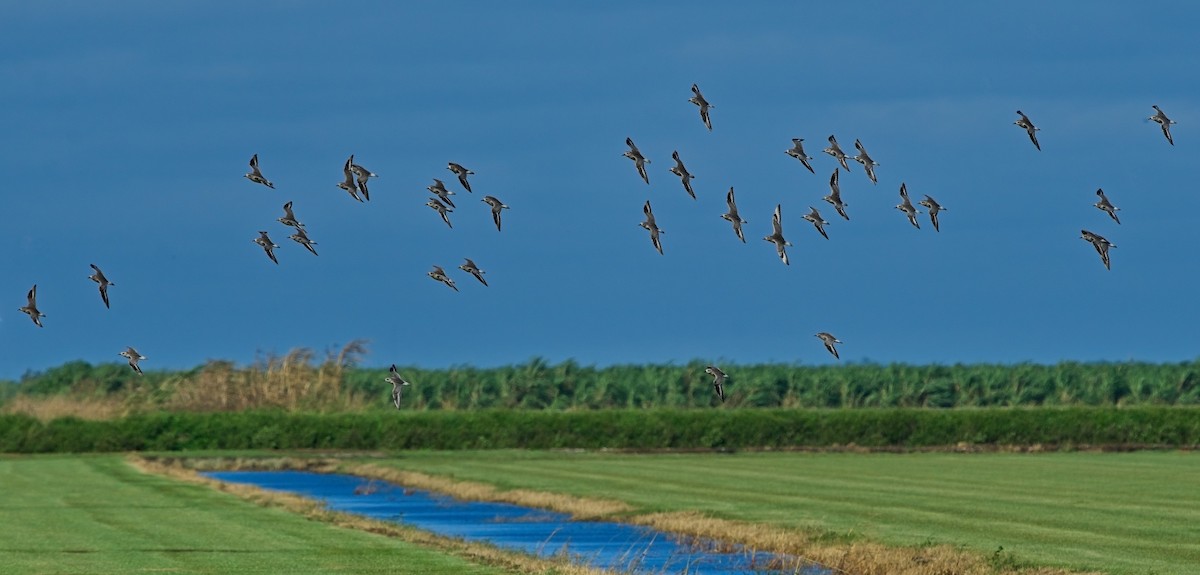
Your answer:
<point x="1029" y="129"/>
<point x="98" y="277"/>
<point x="652" y="227"/>
<point x="776" y="236"/>
<point x="683" y="174"/>
<point x="906" y="206"/>
<point x="496" y="205"/>
<point x="31" y="309"/>
<point x="398" y="384"/>
<point x="1107" y="206"/>
<point x="1101" y="244"/>
<point x="836" y="151"/>
<point x="639" y="160"/>
<point x="347" y="182"/>
<point x="835" y="195"/>
<point x="698" y="99"/>
<point x="934" y="208"/>
<point x="718" y="380"/>
<point x="470" y="267"/>
<point x="134" y="357"/>
<point x="441" y="209"/>
<point x="439" y="190"/>
<point x="267" y="245"/>
<point x="828" y="339"/>
<point x="797" y="151"/>
<point x="255" y="174"/>
<point x="439" y="274"/>
<point x="1163" y="121"/>
<point x="363" y="175"/>
<point x="301" y="237"/>
<point x="732" y="216"/>
<point x="815" y="217"/>
<point x="462" y="174"/>
<point x="289" y="218"/>
<point x="866" y="161"/>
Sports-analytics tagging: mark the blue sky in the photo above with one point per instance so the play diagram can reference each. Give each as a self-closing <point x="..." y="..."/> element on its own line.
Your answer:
<point x="128" y="126"/>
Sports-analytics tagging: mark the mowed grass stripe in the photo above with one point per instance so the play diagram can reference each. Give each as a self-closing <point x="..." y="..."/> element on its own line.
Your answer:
<point x="1125" y="513"/>
<point x="85" y="515"/>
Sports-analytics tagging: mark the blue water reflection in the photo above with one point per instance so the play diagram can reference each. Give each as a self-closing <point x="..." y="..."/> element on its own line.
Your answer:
<point x="606" y="545"/>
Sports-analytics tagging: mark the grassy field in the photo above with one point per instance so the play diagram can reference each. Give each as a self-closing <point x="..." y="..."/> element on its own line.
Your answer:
<point x="1127" y="513"/>
<point x="83" y="515"/>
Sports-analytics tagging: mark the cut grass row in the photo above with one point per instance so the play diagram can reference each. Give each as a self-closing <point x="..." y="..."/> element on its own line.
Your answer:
<point x="1126" y="514"/>
<point x="84" y="515"/>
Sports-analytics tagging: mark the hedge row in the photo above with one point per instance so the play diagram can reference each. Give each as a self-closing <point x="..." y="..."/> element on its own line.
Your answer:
<point x="625" y="429"/>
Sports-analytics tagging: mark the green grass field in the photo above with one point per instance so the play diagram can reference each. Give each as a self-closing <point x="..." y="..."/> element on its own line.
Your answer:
<point x="1124" y="513"/>
<point x="96" y="514"/>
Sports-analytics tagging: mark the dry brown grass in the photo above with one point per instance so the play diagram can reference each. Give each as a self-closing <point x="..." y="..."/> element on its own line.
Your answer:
<point x="293" y="382"/>
<point x="847" y="557"/>
<point x="475" y="552"/>
<point x="46" y="408"/>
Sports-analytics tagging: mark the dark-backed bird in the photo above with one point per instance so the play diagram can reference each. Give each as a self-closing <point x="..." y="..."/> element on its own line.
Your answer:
<point x="836" y="151"/>
<point x="1107" y="206"/>
<point x="439" y="274"/>
<point x="1029" y="128"/>
<point x="255" y="174"/>
<point x="98" y="277"/>
<point x="134" y="357"/>
<point x="289" y="218"/>
<point x="797" y="151"/>
<point x="439" y="189"/>
<point x="866" y="161"/>
<point x="1101" y="244"/>
<point x="470" y="267"/>
<point x="815" y="217"/>
<point x="906" y="206"/>
<point x="828" y="339"/>
<point x="639" y="161"/>
<point x="683" y="174"/>
<point x="347" y="182"/>
<point x="718" y="380"/>
<point x="652" y="226"/>
<point x="496" y="205"/>
<point x="462" y="174"/>
<point x="698" y="99"/>
<point x="776" y="236"/>
<point x="1162" y="120"/>
<point x="31" y="308"/>
<point x="732" y="216"/>
<point x="301" y="237"/>
<point x="934" y="208"/>
<point x="397" y="382"/>
<point x="267" y="245"/>
<point x="441" y="209"/>
<point x="835" y="195"/>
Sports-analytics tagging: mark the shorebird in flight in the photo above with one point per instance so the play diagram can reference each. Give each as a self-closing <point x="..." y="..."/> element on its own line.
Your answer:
<point x="639" y="160"/>
<point x="98" y="277"/>
<point x="496" y="205"/>
<point x="31" y="309"/>
<point x="815" y="217"/>
<point x="347" y="182"/>
<point x="836" y="151"/>
<point x="441" y="209"/>
<point x="462" y="174"/>
<point x="398" y="384"/>
<point x="1101" y="244"/>
<point x="906" y="206"/>
<point x="1029" y="128"/>
<point x="289" y="218"/>
<point x="934" y="208"/>
<point x="267" y="245"/>
<point x="439" y="274"/>
<point x="470" y="267"/>
<point x="797" y="151"/>
<point x="683" y="174"/>
<point x="776" y="236"/>
<point x="439" y="190"/>
<point x="1163" y="121"/>
<point x="835" y="195"/>
<point x="866" y="161"/>
<point x="134" y="357"/>
<point x="698" y="99"/>
<point x="732" y="216"/>
<point x="255" y="174"/>
<point x="828" y="339"/>
<point x="1107" y="206"/>
<point x="652" y="227"/>
<point x="718" y="380"/>
<point x="301" y="237"/>
<point x="363" y="175"/>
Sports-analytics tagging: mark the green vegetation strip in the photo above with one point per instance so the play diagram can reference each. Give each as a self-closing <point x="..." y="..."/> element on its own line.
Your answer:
<point x="84" y="515"/>
<point x="1120" y="513"/>
<point x="614" y="429"/>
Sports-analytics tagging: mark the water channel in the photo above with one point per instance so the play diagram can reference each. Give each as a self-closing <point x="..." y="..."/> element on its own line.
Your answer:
<point x="605" y="545"/>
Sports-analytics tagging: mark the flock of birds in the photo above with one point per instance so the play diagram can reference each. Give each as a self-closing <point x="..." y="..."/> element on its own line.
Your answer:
<point x="356" y="177"/>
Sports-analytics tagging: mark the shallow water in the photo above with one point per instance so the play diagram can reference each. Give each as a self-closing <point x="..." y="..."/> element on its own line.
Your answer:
<point x="602" y="544"/>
